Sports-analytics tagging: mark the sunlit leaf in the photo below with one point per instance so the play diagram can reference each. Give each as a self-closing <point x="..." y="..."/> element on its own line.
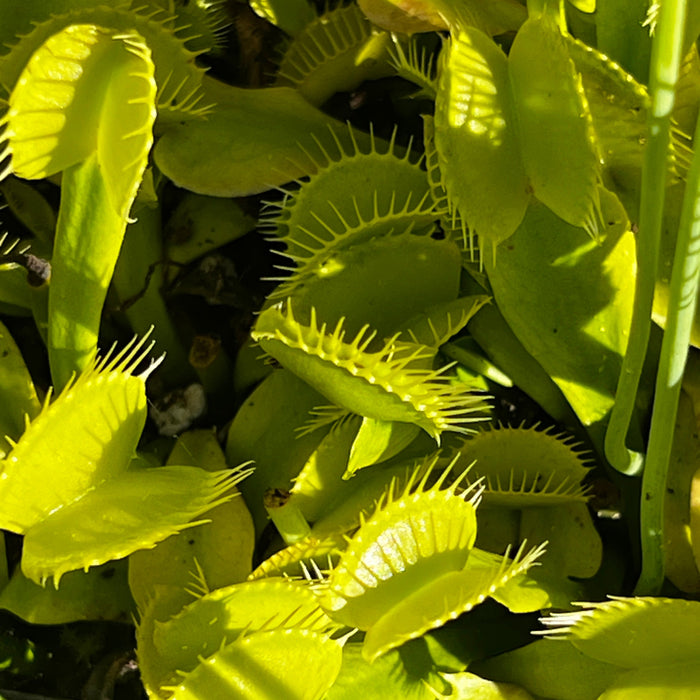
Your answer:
<point x="553" y="117"/>
<point x="294" y="663"/>
<point x="179" y="644"/>
<point x="557" y="291"/>
<point x="478" y="147"/>
<point x="633" y="632"/>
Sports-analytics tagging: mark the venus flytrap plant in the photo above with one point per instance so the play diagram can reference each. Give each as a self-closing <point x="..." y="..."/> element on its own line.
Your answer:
<point x="91" y="501"/>
<point x="474" y="123"/>
<point x="433" y="280"/>
<point x="417" y="65"/>
<point x="63" y="116"/>
<point x="411" y="567"/>
<point x="413" y="278"/>
<point x="524" y="467"/>
<point x="552" y="110"/>
<point x="620" y="648"/>
<point x="535" y="481"/>
<point x="490" y="110"/>
<point x="200" y="22"/>
<point x="314" y="221"/>
<point x="380" y="384"/>
<point x="178" y="77"/>
<point x="340" y="244"/>
<point x="82" y="181"/>
<point x="652" y="640"/>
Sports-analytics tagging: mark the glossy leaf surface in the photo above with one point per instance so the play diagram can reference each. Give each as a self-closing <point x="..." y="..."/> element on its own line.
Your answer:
<point x="169" y="647"/>
<point x="539" y="281"/>
<point x="232" y="152"/>
<point x="476" y="140"/>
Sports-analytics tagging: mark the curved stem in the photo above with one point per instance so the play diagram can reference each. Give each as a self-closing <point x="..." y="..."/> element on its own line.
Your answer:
<point x="685" y="279"/>
<point x="665" y="63"/>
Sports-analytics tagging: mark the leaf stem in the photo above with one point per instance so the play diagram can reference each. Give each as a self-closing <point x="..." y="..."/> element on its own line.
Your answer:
<point x="685" y="279"/>
<point x="665" y="63"/>
<point x="286" y="515"/>
<point x="88" y="238"/>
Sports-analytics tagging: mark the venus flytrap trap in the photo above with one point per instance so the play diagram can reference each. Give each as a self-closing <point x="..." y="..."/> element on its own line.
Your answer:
<point x="315" y="220"/>
<point x="417" y="65"/>
<point x="474" y="123"/>
<point x="645" y="647"/>
<point x="255" y="639"/>
<point x="91" y="500"/>
<point x="411" y="567"/>
<point x="534" y="489"/>
<point x="87" y="166"/>
<point x="551" y="104"/>
<point x="64" y="117"/>
<point x="380" y="385"/>
<point x="333" y="53"/>
<point x="524" y="467"/>
<point x="294" y="560"/>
